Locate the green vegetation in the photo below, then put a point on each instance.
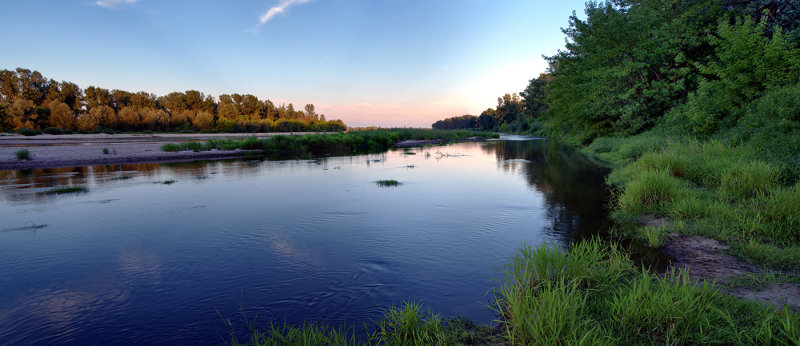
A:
(352, 142)
(697, 107)
(387, 183)
(23, 154)
(65, 190)
(105, 151)
(594, 295)
(27, 132)
(407, 324)
(591, 294)
(30, 101)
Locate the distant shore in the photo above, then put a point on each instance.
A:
(50, 151)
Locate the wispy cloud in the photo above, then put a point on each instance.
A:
(112, 4)
(278, 9)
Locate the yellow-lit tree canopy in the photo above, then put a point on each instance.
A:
(29, 100)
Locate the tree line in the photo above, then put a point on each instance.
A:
(28, 100)
(696, 66)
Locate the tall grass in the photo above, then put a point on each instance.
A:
(713, 187)
(592, 294)
(410, 324)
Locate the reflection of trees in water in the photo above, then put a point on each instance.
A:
(573, 186)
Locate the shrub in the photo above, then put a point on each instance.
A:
(27, 132)
(23, 154)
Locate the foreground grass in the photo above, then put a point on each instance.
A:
(590, 294)
(354, 142)
(714, 188)
(593, 295)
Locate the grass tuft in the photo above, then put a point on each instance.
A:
(23, 154)
(387, 183)
(65, 190)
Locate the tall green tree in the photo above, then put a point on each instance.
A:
(628, 63)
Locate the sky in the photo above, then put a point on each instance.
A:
(367, 62)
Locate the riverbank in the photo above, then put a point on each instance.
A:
(726, 211)
(50, 151)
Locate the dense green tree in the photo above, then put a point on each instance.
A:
(509, 108)
(628, 63)
(534, 94)
(486, 121)
(747, 63)
(460, 122)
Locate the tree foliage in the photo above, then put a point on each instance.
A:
(29, 100)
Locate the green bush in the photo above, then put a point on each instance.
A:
(53, 131)
(23, 154)
(27, 132)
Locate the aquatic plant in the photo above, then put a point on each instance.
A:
(65, 190)
(23, 154)
(387, 183)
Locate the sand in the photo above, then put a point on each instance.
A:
(48, 151)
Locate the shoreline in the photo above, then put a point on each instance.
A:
(52, 151)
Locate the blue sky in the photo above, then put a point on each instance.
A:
(368, 62)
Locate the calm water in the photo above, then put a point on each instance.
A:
(138, 261)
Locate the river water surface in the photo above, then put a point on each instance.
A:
(134, 260)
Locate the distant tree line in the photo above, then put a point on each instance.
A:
(29, 100)
(694, 65)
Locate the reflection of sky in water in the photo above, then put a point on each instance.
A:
(313, 240)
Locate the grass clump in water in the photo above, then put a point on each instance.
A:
(306, 334)
(65, 190)
(167, 182)
(409, 324)
(387, 183)
(23, 154)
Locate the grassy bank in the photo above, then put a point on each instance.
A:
(590, 294)
(716, 188)
(353, 142)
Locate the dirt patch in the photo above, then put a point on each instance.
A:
(778, 294)
(704, 258)
(706, 261)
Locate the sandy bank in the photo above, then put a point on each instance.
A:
(48, 151)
